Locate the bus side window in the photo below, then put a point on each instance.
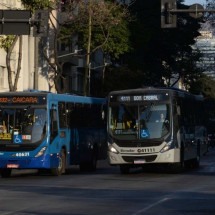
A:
(54, 127)
(62, 115)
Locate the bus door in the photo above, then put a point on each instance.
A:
(53, 126)
(59, 129)
(64, 130)
(102, 154)
(187, 123)
(72, 123)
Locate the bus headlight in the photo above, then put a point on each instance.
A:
(112, 149)
(41, 152)
(167, 147)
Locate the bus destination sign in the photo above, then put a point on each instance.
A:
(139, 98)
(22, 100)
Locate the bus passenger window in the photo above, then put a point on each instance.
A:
(62, 115)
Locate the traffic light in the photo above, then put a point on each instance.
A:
(168, 17)
(41, 18)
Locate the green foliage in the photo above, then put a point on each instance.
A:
(6, 41)
(204, 85)
(161, 53)
(109, 27)
(118, 41)
(37, 4)
(122, 78)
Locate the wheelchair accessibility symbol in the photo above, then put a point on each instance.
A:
(17, 138)
(144, 133)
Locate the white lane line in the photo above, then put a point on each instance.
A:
(150, 206)
(16, 211)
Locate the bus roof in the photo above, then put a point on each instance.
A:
(55, 96)
(156, 89)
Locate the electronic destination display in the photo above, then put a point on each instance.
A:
(22, 100)
(146, 97)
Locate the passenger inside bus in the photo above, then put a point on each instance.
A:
(39, 119)
(3, 128)
(161, 118)
(128, 122)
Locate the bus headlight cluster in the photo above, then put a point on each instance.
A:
(112, 149)
(167, 147)
(41, 152)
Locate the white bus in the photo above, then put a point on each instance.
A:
(155, 126)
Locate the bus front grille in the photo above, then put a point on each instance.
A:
(17, 148)
(131, 159)
(138, 144)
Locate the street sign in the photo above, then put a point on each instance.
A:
(15, 22)
(19, 22)
(169, 11)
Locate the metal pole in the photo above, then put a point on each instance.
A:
(89, 77)
(190, 11)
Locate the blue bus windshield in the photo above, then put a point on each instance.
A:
(22, 125)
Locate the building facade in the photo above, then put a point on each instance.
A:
(39, 54)
(26, 79)
(206, 45)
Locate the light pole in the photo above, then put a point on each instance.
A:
(89, 77)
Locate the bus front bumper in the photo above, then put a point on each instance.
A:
(42, 162)
(170, 156)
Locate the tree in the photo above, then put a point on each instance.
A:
(161, 53)
(37, 4)
(100, 25)
(203, 85)
(121, 78)
(8, 43)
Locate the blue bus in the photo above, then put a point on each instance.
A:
(155, 127)
(48, 131)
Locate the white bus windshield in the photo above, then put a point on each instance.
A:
(22, 125)
(145, 121)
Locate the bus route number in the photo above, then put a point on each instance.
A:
(125, 98)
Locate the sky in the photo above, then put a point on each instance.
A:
(190, 2)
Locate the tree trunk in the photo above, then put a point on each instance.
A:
(87, 67)
(8, 56)
(19, 64)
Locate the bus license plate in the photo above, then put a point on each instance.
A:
(139, 161)
(12, 166)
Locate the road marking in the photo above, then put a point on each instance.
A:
(150, 206)
(16, 211)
